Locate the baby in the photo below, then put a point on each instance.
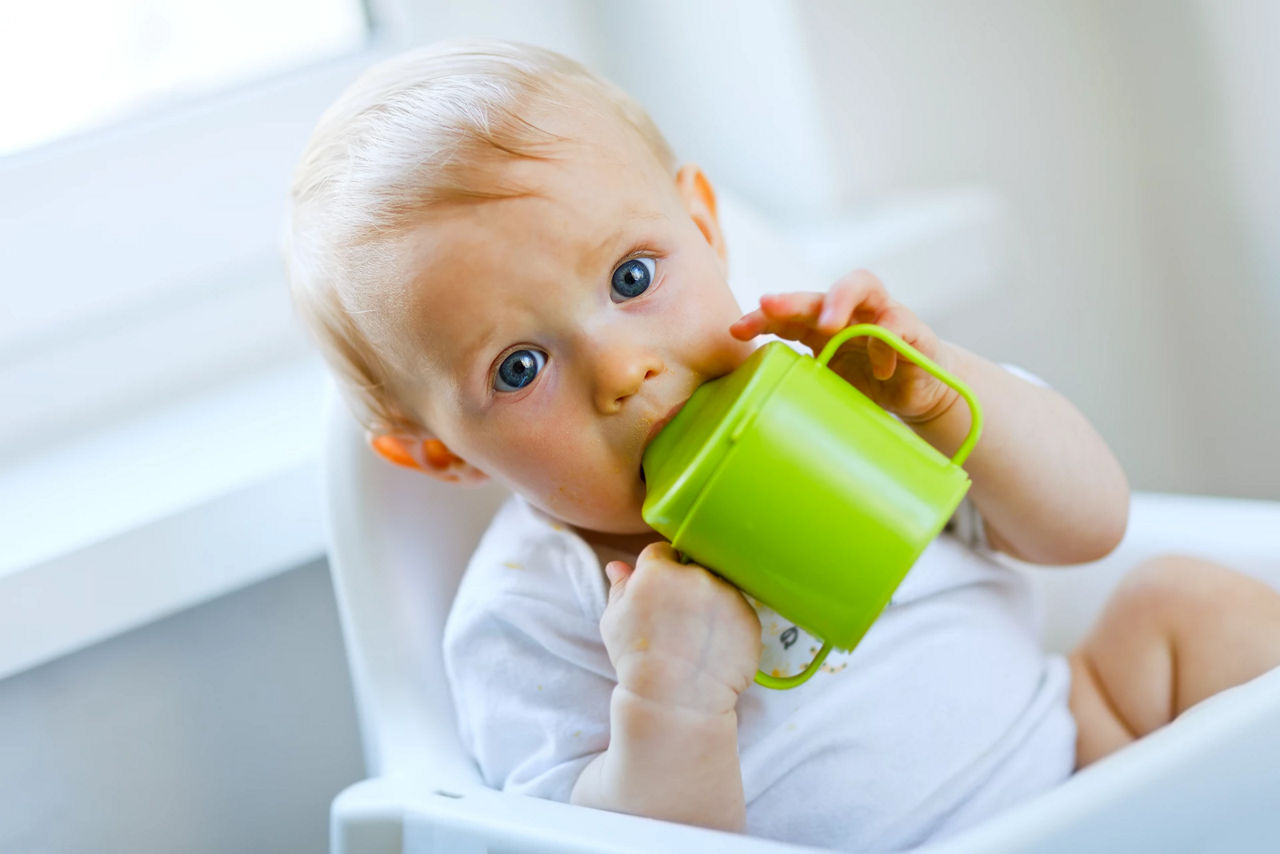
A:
(513, 278)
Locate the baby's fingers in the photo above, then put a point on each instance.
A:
(619, 574)
(788, 315)
(794, 306)
(859, 297)
(899, 320)
(749, 327)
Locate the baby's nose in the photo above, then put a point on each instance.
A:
(621, 373)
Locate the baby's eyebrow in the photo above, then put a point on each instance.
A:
(475, 351)
(613, 239)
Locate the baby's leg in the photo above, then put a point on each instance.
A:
(1175, 631)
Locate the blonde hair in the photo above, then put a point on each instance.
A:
(418, 130)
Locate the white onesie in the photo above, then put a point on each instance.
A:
(947, 711)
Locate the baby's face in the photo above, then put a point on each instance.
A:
(551, 333)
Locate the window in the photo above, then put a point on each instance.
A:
(144, 170)
(89, 62)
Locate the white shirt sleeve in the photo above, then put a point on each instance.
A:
(530, 679)
(966, 523)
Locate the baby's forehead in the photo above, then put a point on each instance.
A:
(569, 202)
(570, 220)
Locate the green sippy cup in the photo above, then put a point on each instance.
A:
(798, 489)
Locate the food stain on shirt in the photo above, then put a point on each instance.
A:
(511, 564)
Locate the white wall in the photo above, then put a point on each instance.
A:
(1208, 157)
(227, 728)
(1131, 140)
(1245, 65)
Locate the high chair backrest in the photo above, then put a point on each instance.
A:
(398, 544)
(400, 540)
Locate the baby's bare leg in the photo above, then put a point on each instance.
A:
(1176, 630)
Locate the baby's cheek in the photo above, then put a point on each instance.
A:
(582, 494)
(716, 320)
(726, 352)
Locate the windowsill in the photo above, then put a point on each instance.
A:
(159, 513)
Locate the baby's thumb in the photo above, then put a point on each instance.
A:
(618, 573)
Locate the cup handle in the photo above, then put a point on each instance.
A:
(783, 682)
(932, 367)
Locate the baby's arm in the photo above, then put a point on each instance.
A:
(1048, 487)
(684, 644)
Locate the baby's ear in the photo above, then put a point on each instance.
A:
(427, 455)
(700, 200)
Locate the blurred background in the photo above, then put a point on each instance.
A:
(1089, 189)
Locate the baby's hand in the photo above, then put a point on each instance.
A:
(678, 635)
(868, 364)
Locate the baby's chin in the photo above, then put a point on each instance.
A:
(618, 513)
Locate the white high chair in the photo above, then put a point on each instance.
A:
(399, 541)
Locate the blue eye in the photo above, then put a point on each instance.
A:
(519, 369)
(632, 278)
